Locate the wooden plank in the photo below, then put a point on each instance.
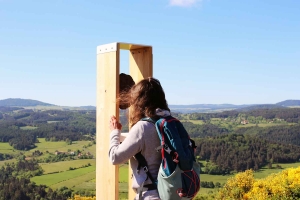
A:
(128, 46)
(107, 175)
(140, 67)
(140, 63)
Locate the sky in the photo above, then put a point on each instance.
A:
(204, 51)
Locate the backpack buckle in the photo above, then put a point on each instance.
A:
(145, 169)
(159, 148)
(167, 149)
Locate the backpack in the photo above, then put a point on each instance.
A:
(178, 176)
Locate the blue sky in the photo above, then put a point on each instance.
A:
(209, 51)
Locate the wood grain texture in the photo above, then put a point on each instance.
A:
(107, 175)
(140, 63)
(108, 69)
(140, 67)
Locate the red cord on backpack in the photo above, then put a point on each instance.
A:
(163, 143)
(180, 192)
(175, 157)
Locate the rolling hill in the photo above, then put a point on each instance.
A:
(200, 108)
(22, 102)
(289, 103)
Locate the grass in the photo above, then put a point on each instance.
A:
(79, 182)
(91, 149)
(199, 122)
(65, 165)
(6, 148)
(50, 122)
(84, 178)
(52, 179)
(28, 127)
(260, 125)
(264, 172)
(87, 185)
(44, 145)
(123, 173)
(222, 123)
(7, 161)
(215, 178)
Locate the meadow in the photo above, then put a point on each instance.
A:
(58, 174)
(233, 123)
(83, 172)
(6, 148)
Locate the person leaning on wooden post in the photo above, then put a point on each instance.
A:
(146, 99)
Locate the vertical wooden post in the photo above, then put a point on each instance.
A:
(140, 67)
(107, 175)
(108, 70)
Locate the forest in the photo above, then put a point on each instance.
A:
(227, 142)
(15, 183)
(220, 137)
(23, 128)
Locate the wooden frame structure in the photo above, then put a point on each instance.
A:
(108, 70)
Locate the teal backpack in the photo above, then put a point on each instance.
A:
(179, 174)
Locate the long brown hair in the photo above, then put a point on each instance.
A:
(144, 98)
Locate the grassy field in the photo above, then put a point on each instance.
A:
(264, 172)
(28, 127)
(264, 125)
(80, 182)
(44, 145)
(83, 178)
(6, 148)
(51, 179)
(65, 165)
(223, 123)
(200, 122)
(7, 161)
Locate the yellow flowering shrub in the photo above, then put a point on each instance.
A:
(237, 186)
(284, 186)
(78, 197)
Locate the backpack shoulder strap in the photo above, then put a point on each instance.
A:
(143, 163)
(148, 119)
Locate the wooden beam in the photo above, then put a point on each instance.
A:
(107, 175)
(108, 69)
(140, 63)
(140, 67)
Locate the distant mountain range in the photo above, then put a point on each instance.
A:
(289, 103)
(22, 102)
(18, 102)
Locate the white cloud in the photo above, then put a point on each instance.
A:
(184, 3)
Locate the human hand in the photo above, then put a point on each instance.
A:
(114, 124)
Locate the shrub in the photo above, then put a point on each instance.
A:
(284, 185)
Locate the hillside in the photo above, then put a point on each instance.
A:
(289, 103)
(260, 106)
(193, 108)
(22, 102)
(205, 108)
(231, 140)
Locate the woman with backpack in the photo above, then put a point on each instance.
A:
(146, 100)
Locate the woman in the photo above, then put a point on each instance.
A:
(146, 99)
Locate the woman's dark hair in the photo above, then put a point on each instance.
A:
(144, 98)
